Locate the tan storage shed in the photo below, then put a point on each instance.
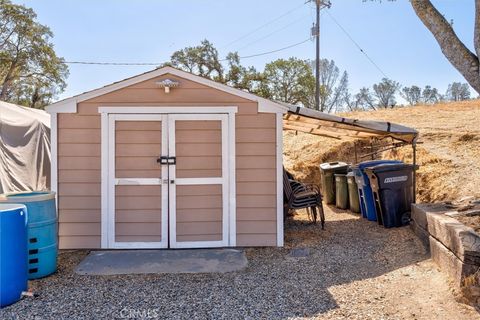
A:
(167, 159)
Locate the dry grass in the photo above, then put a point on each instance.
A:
(448, 157)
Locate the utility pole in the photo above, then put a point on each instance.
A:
(316, 33)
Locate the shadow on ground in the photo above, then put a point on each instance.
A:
(273, 286)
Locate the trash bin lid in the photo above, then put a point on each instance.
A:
(332, 166)
(366, 164)
(390, 167)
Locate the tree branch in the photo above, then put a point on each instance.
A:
(456, 52)
(476, 39)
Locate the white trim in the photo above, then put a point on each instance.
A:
(198, 181)
(268, 106)
(104, 182)
(232, 181)
(225, 185)
(135, 110)
(138, 181)
(110, 146)
(65, 105)
(136, 245)
(164, 176)
(172, 189)
(198, 244)
(54, 155)
(279, 168)
(109, 181)
(224, 181)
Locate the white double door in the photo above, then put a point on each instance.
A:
(168, 181)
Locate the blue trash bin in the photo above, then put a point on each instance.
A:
(42, 231)
(365, 194)
(13, 253)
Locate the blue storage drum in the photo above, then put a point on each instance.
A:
(13, 253)
(42, 231)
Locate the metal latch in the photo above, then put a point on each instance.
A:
(167, 160)
(162, 160)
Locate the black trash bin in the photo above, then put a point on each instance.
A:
(392, 186)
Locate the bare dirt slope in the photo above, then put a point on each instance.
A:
(449, 156)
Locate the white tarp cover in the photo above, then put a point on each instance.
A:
(24, 149)
(328, 125)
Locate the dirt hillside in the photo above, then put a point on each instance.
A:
(449, 153)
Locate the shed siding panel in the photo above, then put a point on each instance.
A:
(79, 173)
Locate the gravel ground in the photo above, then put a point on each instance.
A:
(355, 270)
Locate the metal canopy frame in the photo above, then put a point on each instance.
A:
(340, 128)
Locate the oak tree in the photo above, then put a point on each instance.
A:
(31, 73)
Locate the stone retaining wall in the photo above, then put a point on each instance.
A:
(454, 247)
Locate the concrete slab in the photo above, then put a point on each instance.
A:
(162, 261)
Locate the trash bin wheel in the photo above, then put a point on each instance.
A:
(406, 218)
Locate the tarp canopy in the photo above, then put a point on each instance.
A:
(24, 148)
(327, 125)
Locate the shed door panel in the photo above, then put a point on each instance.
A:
(139, 196)
(199, 195)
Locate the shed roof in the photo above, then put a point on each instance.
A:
(331, 126)
(69, 105)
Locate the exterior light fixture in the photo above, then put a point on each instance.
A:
(167, 84)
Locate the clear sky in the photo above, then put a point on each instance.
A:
(151, 30)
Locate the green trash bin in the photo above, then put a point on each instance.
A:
(353, 193)
(328, 180)
(341, 191)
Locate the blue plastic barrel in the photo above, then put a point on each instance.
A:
(42, 231)
(13, 253)
(365, 194)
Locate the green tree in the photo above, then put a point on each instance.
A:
(458, 92)
(385, 92)
(201, 60)
(289, 81)
(333, 86)
(412, 94)
(363, 100)
(430, 95)
(30, 71)
(240, 77)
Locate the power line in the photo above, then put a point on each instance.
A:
(262, 26)
(356, 44)
(159, 63)
(116, 63)
(277, 50)
(273, 32)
